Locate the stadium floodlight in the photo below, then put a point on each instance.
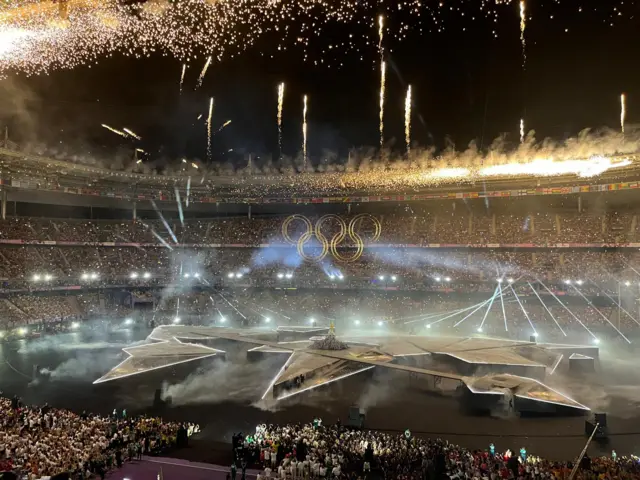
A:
(289, 275)
(147, 275)
(133, 275)
(579, 282)
(479, 329)
(447, 279)
(381, 277)
(75, 325)
(627, 283)
(48, 277)
(510, 280)
(85, 276)
(176, 320)
(267, 320)
(380, 323)
(568, 282)
(94, 276)
(280, 275)
(357, 322)
(36, 278)
(437, 279)
(231, 274)
(128, 321)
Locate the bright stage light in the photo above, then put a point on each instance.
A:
(267, 319)
(231, 274)
(535, 334)
(1, 334)
(289, 275)
(197, 275)
(627, 283)
(437, 279)
(579, 282)
(75, 325)
(510, 280)
(499, 280)
(238, 275)
(568, 282)
(380, 323)
(340, 276)
(147, 275)
(133, 275)
(94, 276)
(479, 329)
(128, 321)
(312, 321)
(596, 341)
(381, 277)
(357, 322)
(447, 279)
(428, 325)
(186, 275)
(222, 319)
(281, 275)
(22, 331)
(393, 278)
(48, 277)
(176, 320)
(85, 276)
(36, 278)
(332, 277)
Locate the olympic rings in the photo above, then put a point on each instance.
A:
(331, 246)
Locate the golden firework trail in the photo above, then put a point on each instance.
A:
(184, 70)
(203, 72)
(522, 130)
(407, 120)
(114, 130)
(209, 128)
(523, 26)
(304, 129)
(280, 105)
(137, 137)
(383, 85)
(223, 125)
(623, 111)
(199, 117)
(380, 34)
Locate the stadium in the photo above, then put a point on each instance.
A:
(237, 283)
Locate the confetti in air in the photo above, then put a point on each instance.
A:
(203, 72)
(114, 130)
(623, 111)
(407, 120)
(209, 128)
(137, 137)
(523, 26)
(280, 105)
(383, 84)
(522, 130)
(304, 129)
(184, 70)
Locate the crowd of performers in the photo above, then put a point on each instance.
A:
(287, 452)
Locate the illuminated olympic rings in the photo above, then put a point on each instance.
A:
(331, 246)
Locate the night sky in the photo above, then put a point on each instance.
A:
(468, 84)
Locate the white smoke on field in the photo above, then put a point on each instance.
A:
(84, 366)
(68, 342)
(223, 381)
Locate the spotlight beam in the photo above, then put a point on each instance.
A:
(231, 305)
(480, 305)
(177, 192)
(613, 300)
(486, 314)
(600, 313)
(431, 316)
(504, 314)
(545, 307)
(568, 310)
(523, 310)
(164, 222)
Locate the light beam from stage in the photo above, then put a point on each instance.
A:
(504, 314)
(479, 306)
(568, 310)
(600, 313)
(535, 332)
(325, 383)
(275, 379)
(619, 305)
(231, 305)
(545, 307)
(473, 311)
(486, 314)
(431, 316)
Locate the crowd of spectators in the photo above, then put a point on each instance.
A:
(318, 451)
(42, 441)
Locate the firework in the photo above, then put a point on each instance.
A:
(115, 130)
(407, 120)
(199, 117)
(209, 128)
(280, 104)
(203, 72)
(126, 130)
(383, 85)
(223, 125)
(623, 111)
(380, 35)
(184, 70)
(304, 129)
(522, 130)
(523, 26)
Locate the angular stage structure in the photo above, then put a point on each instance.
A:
(487, 369)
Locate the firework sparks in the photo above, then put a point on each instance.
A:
(623, 111)
(522, 130)
(523, 26)
(304, 129)
(203, 72)
(199, 117)
(407, 120)
(184, 70)
(383, 86)
(115, 130)
(280, 105)
(129, 132)
(223, 125)
(209, 128)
